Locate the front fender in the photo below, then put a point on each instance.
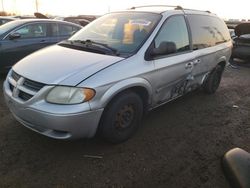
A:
(118, 87)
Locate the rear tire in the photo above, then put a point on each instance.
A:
(121, 117)
(213, 80)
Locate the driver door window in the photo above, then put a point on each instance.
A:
(33, 31)
(174, 30)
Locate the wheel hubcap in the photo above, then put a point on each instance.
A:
(124, 117)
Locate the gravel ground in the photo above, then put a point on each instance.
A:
(179, 145)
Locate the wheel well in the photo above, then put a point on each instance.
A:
(223, 64)
(140, 91)
(143, 94)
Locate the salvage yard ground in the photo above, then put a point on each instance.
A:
(179, 145)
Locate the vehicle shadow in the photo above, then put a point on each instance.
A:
(2, 76)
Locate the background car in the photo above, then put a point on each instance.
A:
(232, 23)
(22, 37)
(4, 19)
(241, 42)
(82, 20)
(232, 33)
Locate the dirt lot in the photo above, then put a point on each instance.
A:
(179, 145)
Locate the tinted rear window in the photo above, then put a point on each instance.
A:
(207, 31)
(63, 29)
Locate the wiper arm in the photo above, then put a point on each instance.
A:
(93, 43)
(104, 45)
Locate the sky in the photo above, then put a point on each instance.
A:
(224, 8)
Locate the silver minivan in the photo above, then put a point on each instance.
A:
(106, 76)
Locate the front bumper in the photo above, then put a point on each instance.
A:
(55, 121)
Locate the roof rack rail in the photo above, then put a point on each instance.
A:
(196, 10)
(177, 7)
(171, 6)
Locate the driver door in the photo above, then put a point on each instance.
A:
(31, 38)
(173, 72)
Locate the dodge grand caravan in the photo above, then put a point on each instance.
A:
(103, 78)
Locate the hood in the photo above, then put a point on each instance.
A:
(61, 65)
(242, 29)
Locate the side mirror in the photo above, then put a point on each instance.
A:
(13, 36)
(164, 48)
(72, 33)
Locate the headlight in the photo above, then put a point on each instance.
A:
(69, 95)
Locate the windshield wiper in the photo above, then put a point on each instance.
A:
(91, 44)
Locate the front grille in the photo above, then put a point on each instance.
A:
(15, 76)
(23, 88)
(24, 96)
(36, 86)
(11, 87)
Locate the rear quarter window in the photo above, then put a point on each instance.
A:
(66, 30)
(63, 29)
(207, 31)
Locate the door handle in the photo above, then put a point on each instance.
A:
(197, 61)
(189, 65)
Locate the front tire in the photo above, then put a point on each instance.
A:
(213, 80)
(121, 117)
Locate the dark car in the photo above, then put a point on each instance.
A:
(241, 42)
(4, 19)
(21, 37)
(82, 20)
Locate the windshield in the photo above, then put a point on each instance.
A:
(124, 32)
(8, 26)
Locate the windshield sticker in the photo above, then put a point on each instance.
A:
(141, 22)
